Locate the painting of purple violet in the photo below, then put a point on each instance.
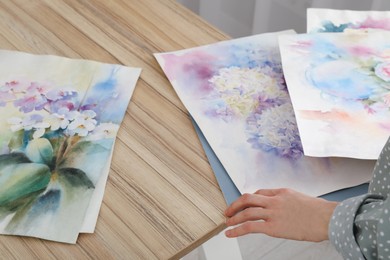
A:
(58, 128)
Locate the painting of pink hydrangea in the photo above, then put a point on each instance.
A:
(236, 92)
(347, 77)
(57, 135)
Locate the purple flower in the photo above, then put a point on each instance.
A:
(34, 98)
(6, 96)
(61, 98)
(14, 86)
(58, 105)
(90, 106)
(60, 94)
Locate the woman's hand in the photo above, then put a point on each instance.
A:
(282, 213)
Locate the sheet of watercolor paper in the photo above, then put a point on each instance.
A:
(331, 20)
(236, 93)
(340, 88)
(59, 119)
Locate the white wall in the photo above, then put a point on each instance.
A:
(246, 17)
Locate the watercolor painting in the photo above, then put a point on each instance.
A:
(236, 92)
(331, 20)
(340, 91)
(56, 138)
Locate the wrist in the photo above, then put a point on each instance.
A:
(327, 209)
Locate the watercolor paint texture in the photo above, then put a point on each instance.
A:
(340, 91)
(57, 132)
(235, 91)
(331, 20)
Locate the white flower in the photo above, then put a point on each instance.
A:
(82, 124)
(28, 123)
(104, 131)
(61, 119)
(272, 121)
(275, 129)
(40, 128)
(31, 122)
(39, 132)
(16, 123)
(241, 88)
(56, 121)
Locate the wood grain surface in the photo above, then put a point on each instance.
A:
(162, 198)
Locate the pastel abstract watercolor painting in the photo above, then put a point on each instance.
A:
(331, 20)
(58, 127)
(235, 91)
(340, 91)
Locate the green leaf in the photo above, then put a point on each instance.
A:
(16, 141)
(72, 177)
(35, 212)
(18, 204)
(40, 151)
(21, 180)
(89, 157)
(75, 184)
(12, 158)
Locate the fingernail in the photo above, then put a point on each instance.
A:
(227, 233)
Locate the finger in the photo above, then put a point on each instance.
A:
(268, 192)
(246, 201)
(247, 228)
(248, 214)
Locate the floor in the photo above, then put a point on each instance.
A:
(258, 246)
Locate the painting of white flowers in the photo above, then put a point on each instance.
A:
(58, 127)
(235, 91)
(340, 91)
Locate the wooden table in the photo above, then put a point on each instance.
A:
(162, 198)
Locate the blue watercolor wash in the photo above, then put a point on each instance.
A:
(342, 80)
(108, 84)
(328, 26)
(323, 50)
(343, 88)
(105, 100)
(49, 202)
(245, 57)
(239, 56)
